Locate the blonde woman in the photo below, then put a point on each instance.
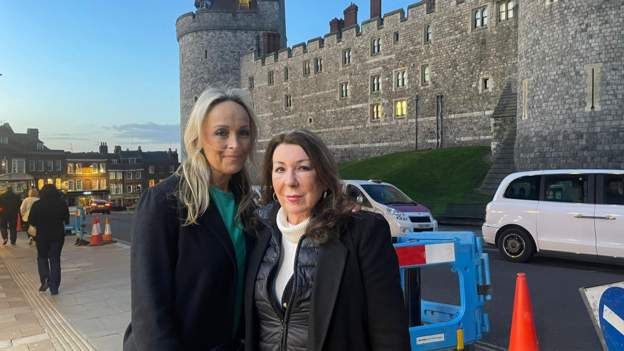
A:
(190, 241)
(33, 196)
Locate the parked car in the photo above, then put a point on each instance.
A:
(403, 214)
(98, 206)
(578, 212)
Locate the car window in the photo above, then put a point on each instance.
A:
(566, 188)
(386, 194)
(523, 188)
(357, 196)
(613, 189)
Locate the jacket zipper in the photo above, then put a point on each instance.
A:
(286, 318)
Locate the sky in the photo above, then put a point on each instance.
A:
(91, 71)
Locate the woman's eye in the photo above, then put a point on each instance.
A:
(305, 168)
(244, 132)
(278, 170)
(221, 132)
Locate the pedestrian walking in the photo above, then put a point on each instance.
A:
(25, 209)
(321, 276)
(190, 242)
(49, 215)
(10, 203)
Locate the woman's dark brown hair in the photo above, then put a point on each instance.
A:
(333, 209)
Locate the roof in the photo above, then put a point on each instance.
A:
(87, 156)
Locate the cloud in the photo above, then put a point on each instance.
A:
(147, 133)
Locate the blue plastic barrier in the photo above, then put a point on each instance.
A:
(442, 326)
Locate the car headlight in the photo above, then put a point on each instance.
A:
(398, 215)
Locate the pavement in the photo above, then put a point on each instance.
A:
(91, 311)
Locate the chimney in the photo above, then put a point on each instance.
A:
(34, 132)
(335, 25)
(375, 8)
(350, 16)
(117, 149)
(139, 149)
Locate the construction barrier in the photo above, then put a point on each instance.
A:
(436, 325)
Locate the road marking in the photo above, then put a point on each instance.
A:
(613, 319)
(488, 347)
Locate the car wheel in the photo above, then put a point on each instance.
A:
(516, 245)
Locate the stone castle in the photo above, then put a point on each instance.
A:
(540, 81)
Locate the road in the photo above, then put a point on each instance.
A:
(561, 318)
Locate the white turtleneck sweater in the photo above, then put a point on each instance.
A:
(291, 234)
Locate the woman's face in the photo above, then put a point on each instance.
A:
(227, 138)
(295, 182)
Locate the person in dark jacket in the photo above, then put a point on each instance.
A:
(321, 277)
(49, 215)
(189, 244)
(10, 204)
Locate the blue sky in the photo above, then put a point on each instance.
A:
(86, 71)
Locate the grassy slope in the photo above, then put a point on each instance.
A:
(434, 178)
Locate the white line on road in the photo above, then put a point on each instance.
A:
(613, 319)
(481, 345)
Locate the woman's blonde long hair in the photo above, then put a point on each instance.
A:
(194, 171)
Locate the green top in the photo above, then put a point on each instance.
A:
(227, 208)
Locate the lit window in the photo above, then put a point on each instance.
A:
(400, 79)
(376, 46)
(480, 17)
(506, 10)
(375, 84)
(270, 78)
(344, 90)
(102, 167)
(70, 185)
(151, 183)
(306, 68)
(426, 75)
(70, 168)
(318, 65)
(400, 108)
(346, 57)
(376, 112)
(79, 184)
(58, 183)
(111, 175)
(244, 4)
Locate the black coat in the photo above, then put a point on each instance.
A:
(183, 277)
(357, 302)
(49, 216)
(10, 204)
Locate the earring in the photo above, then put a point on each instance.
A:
(274, 197)
(325, 193)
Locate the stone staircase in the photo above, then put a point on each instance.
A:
(504, 140)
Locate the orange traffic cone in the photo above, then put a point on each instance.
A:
(108, 234)
(96, 233)
(523, 336)
(18, 227)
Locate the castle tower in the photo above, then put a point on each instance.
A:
(570, 84)
(214, 37)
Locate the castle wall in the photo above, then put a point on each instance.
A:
(560, 43)
(459, 56)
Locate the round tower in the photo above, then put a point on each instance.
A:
(214, 37)
(571, 84)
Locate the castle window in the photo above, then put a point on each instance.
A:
(486, 85)
(375, 46)
(251, 83)
(344, 90)
(375, 84)
(346, 57)
(270, 78)
(205, 54)
(506, 10)
(425, 74)
(18, 165)
(396, 37)
(400, 78)
(427, 34)
(306, 67)
(550, 2)
(458, 2)
(400, 108)
(285, 74)
(480, 17)
(525, 99)
(287, 101)
(310, 120)
(33, 165)
(194, 98)
(318, 65)
(39, 146)
(4, 139)
(244, 4)
(430, 4)
(594, 77)
(376, 112)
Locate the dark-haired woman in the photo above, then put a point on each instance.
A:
(320, 277)
(49, 215)
(189, 244)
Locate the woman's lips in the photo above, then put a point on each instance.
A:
(293, 198)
